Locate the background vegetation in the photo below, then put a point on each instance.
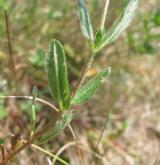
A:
(129, 99)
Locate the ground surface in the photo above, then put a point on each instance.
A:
(129, 100)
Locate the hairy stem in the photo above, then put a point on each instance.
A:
(104, 14)
(84, 72)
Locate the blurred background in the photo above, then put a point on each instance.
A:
(129, 100)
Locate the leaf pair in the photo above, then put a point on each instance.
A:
(121, 23)
(103, 39)
(58, 81)
(57, 74)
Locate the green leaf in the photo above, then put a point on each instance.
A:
(120, 24)
(59, 127)
(57, 74)
(85, 21)
(91, 87)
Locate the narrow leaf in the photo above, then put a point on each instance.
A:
(57, 74)
(59, 127)
(120, 24)
(91, 87)
(85, 21)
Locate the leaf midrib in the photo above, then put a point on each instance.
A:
(57, 77)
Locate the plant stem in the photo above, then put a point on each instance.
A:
(31, 98)
(10, 50)
(72, 143)
(84, 72)
(101, 135)
(62, 149)
(50, 154)
(79, 152)
(106, 5)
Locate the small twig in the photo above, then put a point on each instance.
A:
(73, 143)
(79, 152)
(50, 154)
(10, 50)
(101, 135)
(61, 150)
(31, 98)
(106, 5)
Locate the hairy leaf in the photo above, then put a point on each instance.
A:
(85, 21)
(59, 127)
(91, 87)
(57, 74)
(120, 24)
